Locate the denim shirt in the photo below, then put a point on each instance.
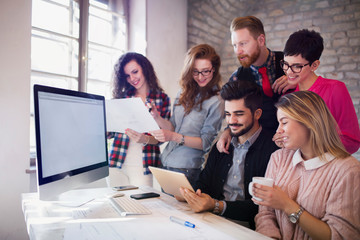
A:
(234, 185)
(204, 124)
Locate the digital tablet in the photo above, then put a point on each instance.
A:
(171, 181)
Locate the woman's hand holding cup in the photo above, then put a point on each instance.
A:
(260, 180)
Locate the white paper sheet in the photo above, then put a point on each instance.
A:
(99, 220)
(128, 113)
(159, 228)
(154, 226)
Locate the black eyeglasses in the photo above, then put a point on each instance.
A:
(205, 73)
(295, 68)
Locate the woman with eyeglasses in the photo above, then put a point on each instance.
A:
(301, 58)
(316, 181)
(197, 114)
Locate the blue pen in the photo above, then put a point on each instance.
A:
(182, 222)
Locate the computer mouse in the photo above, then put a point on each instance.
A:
(116, 195)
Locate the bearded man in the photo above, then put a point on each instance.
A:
(223, 184)
(258, 65)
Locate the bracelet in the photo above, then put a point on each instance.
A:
(148, 140)
(217, 207)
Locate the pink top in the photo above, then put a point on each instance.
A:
(328, 189)
(338, 100)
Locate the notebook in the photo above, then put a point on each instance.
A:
(171, 181)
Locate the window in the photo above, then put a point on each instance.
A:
(75, 44)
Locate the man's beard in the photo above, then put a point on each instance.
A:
(243, 131)
(251, 59)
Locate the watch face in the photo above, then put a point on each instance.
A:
(292, 218)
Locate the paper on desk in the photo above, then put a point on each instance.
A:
(128, 113)
(95, 211)
(154, 226)
(150, 228)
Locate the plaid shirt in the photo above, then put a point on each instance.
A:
(270, 65)
(268, 118)
(150, 153)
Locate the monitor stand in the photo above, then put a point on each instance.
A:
(79, 197)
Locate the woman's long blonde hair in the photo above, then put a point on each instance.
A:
(309, 109)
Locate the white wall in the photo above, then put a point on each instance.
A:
(15, 29)
(167, 41)
(137, 26)
(158, 30)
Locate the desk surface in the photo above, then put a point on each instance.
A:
(99, 220)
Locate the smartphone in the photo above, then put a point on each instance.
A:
(125, 187)
(144, 195)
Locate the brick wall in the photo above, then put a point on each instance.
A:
(338, 21)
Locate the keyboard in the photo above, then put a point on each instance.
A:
(127, 206)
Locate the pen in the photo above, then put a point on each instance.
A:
(148, 104)
(182, 222)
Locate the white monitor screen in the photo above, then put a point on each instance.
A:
(70, 136)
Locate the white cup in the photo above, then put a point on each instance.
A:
(260, 180)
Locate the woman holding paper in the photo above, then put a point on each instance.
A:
(197, 114)
(135, 77)
(316, 181)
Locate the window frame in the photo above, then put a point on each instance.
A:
(83, 48)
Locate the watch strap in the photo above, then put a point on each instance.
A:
(182, 140)
(217, 207)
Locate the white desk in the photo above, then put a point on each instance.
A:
(99, 220)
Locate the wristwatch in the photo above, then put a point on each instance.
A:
(294, 217)
(217, 207)
(182, 140)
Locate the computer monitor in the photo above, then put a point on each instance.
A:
(71, 142)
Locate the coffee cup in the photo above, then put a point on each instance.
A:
(260, 180)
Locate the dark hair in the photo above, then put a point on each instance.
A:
(250, 92)
(308, 44)
(251, 23)
(120, 84)
(188, 98)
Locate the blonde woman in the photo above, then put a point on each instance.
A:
(316, 189)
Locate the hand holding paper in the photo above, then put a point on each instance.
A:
(136, 136)
(128, 113)
(153, 111)
(162, 135)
